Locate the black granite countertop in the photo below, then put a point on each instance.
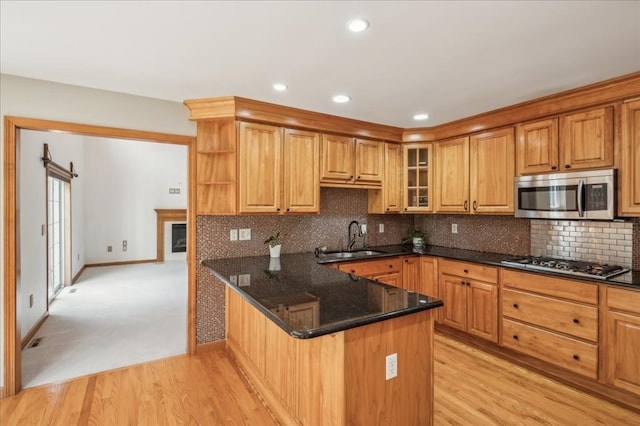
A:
(629, 279)
(344, 301)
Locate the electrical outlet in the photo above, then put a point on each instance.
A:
(244, 280)
(233, 235)
(381, 228)
(174, 190)
(124, 245)
(109, 249)
(363, 228)
(392, 366)
(454, 228)
(233, 279)
(245, 234)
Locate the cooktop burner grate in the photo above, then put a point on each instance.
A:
(574, 267)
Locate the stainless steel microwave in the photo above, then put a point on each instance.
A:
(573, 195)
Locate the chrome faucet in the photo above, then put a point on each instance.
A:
(351, 236)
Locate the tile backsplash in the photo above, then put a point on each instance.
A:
(595, 241)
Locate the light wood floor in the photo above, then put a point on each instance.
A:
(471, 388)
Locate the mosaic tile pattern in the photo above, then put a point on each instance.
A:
(497, 234)
(635, 252)
(594, 241)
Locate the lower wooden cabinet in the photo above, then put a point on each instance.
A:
(300, 311)
(387, 271)
(621, 339)
(552, 319)
(470, 304)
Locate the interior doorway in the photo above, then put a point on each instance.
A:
(11, 253)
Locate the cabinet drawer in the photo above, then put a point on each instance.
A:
(626, 300)
(555, 314)
(372, 267)
(565, 352)
(577, 291)
(469, 270)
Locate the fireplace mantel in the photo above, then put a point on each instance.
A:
(166, 215)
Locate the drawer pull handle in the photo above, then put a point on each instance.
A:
(576, 321)
(353, 271)
(515, 305)
(468, 283)
(576, 357)
(515, 336)
(466, 271)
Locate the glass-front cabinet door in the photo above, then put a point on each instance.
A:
(418, 178)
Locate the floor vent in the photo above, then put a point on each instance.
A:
(73, 290)
(35, 342)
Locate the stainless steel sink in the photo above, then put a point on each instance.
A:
(351, 254)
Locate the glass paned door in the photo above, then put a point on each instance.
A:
(417, 177)
(57, 230)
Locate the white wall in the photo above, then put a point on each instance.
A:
(125, 182)
(25, 97)
(33, 215)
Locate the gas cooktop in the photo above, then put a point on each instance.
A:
(572, 267)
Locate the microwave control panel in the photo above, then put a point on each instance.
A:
(596, 196)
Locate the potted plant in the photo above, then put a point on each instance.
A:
(275, 244)
(417, 237)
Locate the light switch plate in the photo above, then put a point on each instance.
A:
(454, 228)
(233, 235)
(245, 234)
(392, 366)
(244, 280)
(381, 228)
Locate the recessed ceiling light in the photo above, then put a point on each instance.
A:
(357, 25)
(340, 99)
(421, 116)
(280, 87)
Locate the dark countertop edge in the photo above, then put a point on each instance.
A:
(330, 328)
(486, 258)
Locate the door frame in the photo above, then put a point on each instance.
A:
(11, 333)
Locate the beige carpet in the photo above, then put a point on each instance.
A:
(113, 316)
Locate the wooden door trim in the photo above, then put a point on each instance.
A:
(11, 333)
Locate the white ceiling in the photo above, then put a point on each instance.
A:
(447, 58)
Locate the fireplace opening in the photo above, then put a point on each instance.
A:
(178, 237)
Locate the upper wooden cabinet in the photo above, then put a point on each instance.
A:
(582, 140)
(278, 175)
(347, 162)
(492, 169)
(417, 178)
(388, 199)
(452, 175)
(216, 160)
(475, 174)
(629, 177)
(537, 147)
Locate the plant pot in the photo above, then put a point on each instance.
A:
(418, 242)
(274, 251)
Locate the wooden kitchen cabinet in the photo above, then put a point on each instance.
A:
(411, 273)
(475, 174)
(470, 295)
(417, 179)
(621, 339)
(387, 271)
(349, 162)
(492, 169)
(388, 199)
(552, 319)
(582, 140)
(216, 165)
(428, 276)
(629, 172)
(452, 176)
(278, 170)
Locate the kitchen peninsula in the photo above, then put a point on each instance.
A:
(322, 346)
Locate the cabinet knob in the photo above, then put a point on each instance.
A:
(466, 271)
(553, 167)
(576, 321)
(567, 166)
(351, 177)
(358, 177)
(391, 266)
(468, 283)
(278, 209)
(462, 282)
(515, 305)
(405, 209)
(515, 336)
(388, 209)
(576, 357)
(353, 271)
(288, 210)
